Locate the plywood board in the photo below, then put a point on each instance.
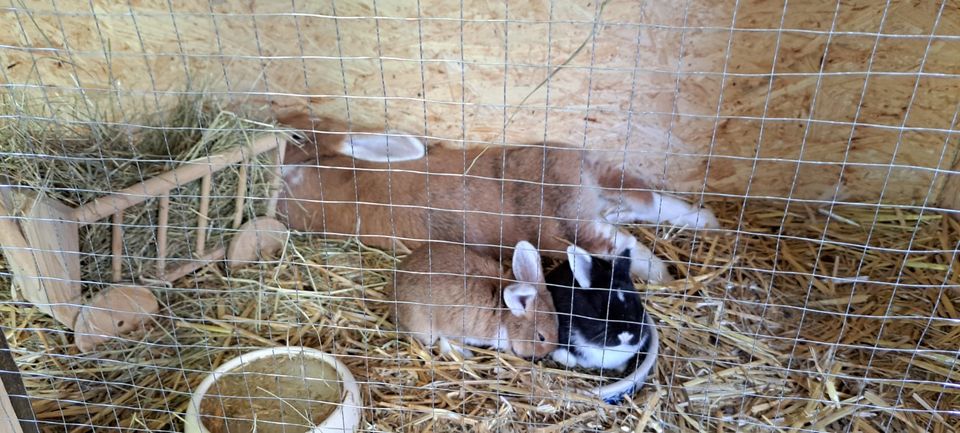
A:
(648, 85)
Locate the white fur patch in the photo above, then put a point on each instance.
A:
(647, 265)
(292, 175)
(393, 146)
(670, 209)
(500, 342)
(580, 264)
(682, 213)
(563, 356)
(447, 347)
(614, 357)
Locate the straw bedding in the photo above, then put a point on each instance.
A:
(754, 344)
(750, 340)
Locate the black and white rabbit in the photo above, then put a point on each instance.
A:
(602, 320)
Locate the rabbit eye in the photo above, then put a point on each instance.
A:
(541, 337)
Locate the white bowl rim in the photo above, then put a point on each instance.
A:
(348, 411)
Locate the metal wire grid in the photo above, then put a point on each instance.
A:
(24, 13)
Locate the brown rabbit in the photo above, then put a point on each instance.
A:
(451, 293)
(551, 194)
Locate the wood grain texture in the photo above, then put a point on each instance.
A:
(162, 184)
(16, 412)
(43, 248)
(649, 85)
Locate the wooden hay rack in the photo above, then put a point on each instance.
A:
(40, 240)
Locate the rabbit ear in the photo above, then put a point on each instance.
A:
(519, 298)
(621, 266)
(580, 263)
(526, 264)
(391, 146)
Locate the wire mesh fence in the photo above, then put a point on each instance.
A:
(188, 184)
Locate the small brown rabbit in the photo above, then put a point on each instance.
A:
(451, 293)
(393, 187)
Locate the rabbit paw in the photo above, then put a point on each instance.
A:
(701, 219)
(446, 347)
(677, 212)
(648, 267)
(563, 356)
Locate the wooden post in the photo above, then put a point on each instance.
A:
(194, 264)
(14, 403)
(204, 210)
(163, 221)
(276, 181)
(117, 249)
(241, 195)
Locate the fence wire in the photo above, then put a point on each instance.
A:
(822, 136)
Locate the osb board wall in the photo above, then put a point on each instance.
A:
(649, 82)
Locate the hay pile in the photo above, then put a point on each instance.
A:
(76, 159)
(751, 344)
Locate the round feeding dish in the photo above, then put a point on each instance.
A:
(282, 389)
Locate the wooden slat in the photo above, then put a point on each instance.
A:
(202, 218)
(276, 182)
(162, 223)
(241, 195)
(163, 183)
(194, 264)
(117, 247)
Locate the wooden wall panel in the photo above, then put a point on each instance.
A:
(648, 83)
